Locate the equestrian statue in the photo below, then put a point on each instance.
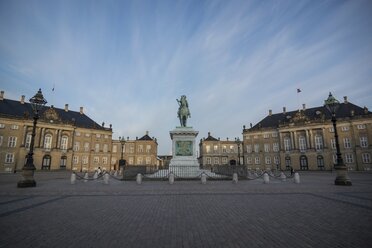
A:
(183, 110)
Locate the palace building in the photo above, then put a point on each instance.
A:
(64, 139)
(304, 139)
(216, 152)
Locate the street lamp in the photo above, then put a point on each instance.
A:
(342, 177)
(238, 143)
(37, 102)
(122, 142)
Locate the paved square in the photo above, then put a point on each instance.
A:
(314, 213)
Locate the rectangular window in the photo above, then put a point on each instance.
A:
(256, 148)
(274, 135)
(224, 149)
(249, 148)
(232, 149)
(347, 143)
(106, 136)
(12, 141)
(104, 160)
(268, 160)
(361, 126)
(266, 136)
(85, 159)
(148, 160)
(302, 143)
(76, 146)
(318, 142)
(28, 141)
(9, 158)
(276, 147)
(96, 148)
(98, 135)
(139, 161)
(87, 135)
(48, 142)
(216, 161)
(140, 148)
(224, 160)
(86, 147)
(344, 129)
(267, 147)
(64, 142)
(113, 160)
(349, 158)
(75, 159)
(131, 148)
(95, 160)
(14, 127)
(105, 148)
(215, 148)
(2, 125)
(131, 160)
(208, 161)
(208, 149)
(331, 130)
(249, 160)
(77, 133)
(1, 140)
(148, 148)
(276, 160)
(257, 160)
(363, 142)
(333, 143)
(366, 158)
(114, 149)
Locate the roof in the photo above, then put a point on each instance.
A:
(312, 114)
(15, 109)
(210, 138)
(145, 137)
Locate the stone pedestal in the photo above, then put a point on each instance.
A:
(184, 148)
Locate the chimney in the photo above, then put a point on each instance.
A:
(270, 112)
(81, 110)
(303, 106)
(103, 124)
(147, 132)
(352, 112)
(284, 110)
(365, 110)
(251, 125)
(243, 127)
(345, 100)
(1, 95)
(110, 126)
(23, 99)
(209, 134)
(66, 107)
(227, 138)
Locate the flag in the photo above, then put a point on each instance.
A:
(298, 90)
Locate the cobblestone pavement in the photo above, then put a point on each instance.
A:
(314, 213)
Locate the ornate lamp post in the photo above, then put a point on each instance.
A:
(342, 177)
(37, 102)
(122, 142)
(238, 143)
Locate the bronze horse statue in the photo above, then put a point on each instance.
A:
(183, 110)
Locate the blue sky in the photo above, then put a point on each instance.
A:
(126, 62)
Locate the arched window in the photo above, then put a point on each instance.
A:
(302, 143)
(287, 144)
(48, 142)
(303, 163)
(320, 162)
(64, 142)
(46, 162)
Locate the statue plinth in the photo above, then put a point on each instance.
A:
(184, 147)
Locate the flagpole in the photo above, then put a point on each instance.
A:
(298, 98)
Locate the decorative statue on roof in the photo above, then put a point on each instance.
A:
(183, 110)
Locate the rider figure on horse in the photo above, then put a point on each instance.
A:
(183, 110)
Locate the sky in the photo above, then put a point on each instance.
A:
(126, 62)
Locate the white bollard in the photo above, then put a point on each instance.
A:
(86, 176)
(266, 178)
(95, 176)
(73, 178)
(235, 178)
(106, 178)
(116, 174)
(171, 178)
(139, 178)
(283, 177)
(297, 177)
(204, 178)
